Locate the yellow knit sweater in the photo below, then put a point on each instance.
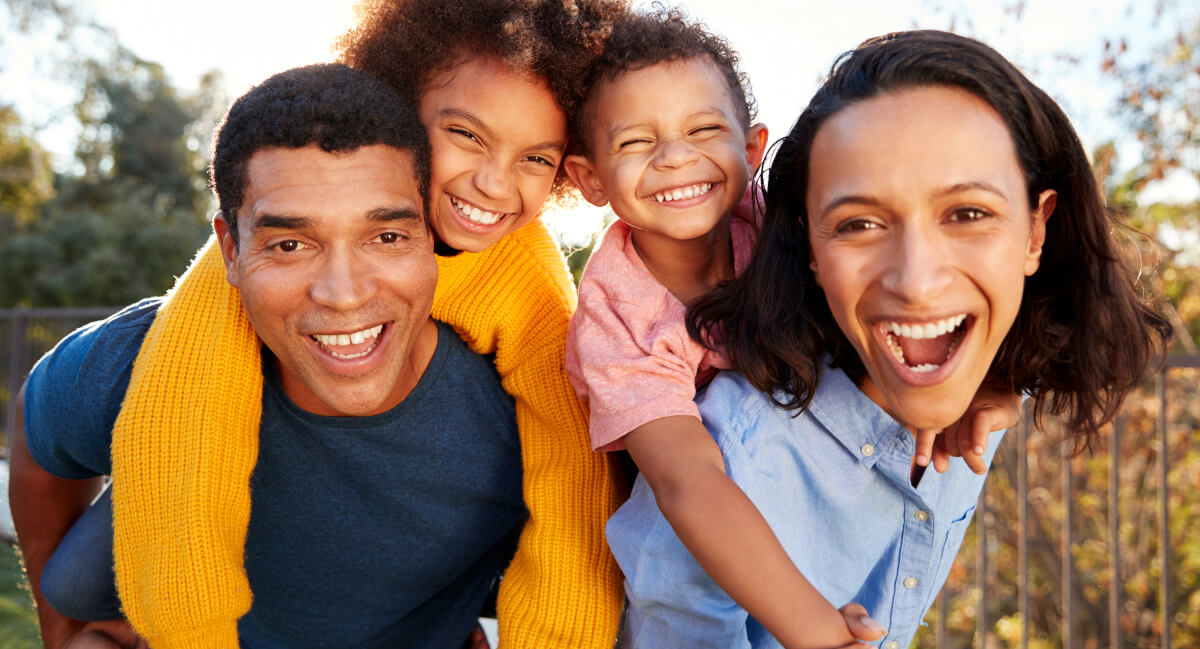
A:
(186, 441)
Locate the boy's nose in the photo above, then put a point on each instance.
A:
(674, 153)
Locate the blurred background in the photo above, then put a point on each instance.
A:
(106, 110)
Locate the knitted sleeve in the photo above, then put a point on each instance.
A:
(183, 448)
(563, 588)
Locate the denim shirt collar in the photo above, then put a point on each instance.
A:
(858, 423)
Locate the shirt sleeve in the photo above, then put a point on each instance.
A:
(630, 360)
(672, 600)
(74, 393)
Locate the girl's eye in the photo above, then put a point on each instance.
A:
(542, 160)
(462, 132)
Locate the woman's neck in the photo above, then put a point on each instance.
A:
(691, 268)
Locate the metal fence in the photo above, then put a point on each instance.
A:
(1028, 575)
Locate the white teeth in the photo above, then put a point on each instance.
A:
(474, 214)
(328, 341)
(682, 193)
(928, 330)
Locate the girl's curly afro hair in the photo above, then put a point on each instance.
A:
(407, 43)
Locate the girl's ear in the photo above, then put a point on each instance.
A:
(756, 144)
(584, 175)
(1037, 230)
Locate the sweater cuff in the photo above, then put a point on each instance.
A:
(222, 635)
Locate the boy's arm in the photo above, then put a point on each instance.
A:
(44, 507)
(728, 536)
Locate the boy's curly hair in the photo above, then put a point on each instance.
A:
(664, 34)
(407, 43)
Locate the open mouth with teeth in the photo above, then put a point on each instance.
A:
(683, 193)
(351, 345)
(924, 347)
(475, 214)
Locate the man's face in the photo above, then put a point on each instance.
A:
(336, 272)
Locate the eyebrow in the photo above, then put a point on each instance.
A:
(867, 199)
(553, 145)
(288, 222)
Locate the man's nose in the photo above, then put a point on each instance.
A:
(345, 281)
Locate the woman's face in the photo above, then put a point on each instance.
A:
(498, 137)
(922, 237)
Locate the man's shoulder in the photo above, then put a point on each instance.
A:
(103, 345)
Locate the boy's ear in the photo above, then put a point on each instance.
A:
(756, 144)
(584, 175)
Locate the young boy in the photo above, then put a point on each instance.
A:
(667, 140)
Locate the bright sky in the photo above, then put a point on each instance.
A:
(786, 46)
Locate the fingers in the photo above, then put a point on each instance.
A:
(862, 626)
(941, 456)
(924, 450)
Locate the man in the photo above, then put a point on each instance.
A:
(382, 509)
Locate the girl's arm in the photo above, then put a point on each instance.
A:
(729, 538)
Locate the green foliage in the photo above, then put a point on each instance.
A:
(18, 622)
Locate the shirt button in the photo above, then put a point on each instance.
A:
(911, 582)
(892, 645)
(921, 515)
(868, 450)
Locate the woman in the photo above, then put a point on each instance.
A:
(931, 223)
(495, 83)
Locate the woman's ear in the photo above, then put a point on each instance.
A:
(583, 174)
(1037, 230)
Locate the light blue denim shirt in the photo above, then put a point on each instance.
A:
(834, 484)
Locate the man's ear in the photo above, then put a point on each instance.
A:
(756, 144)
(1037, 230)
(584, 175)
(224, 232)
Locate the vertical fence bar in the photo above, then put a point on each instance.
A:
(1114, 529)
(15, 366)
(1068, 562)
(1023, 429)
(1164, 531)
(981, 617)
(942, 609)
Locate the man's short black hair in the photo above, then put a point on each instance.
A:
(331, 105)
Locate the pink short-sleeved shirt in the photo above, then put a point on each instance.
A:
(629, 355)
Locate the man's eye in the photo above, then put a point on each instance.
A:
(291, 245)
(391, 237)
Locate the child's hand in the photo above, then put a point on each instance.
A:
(863, 627)
(991, 410)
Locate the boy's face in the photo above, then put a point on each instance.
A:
(669, 151)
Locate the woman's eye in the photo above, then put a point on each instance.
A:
(856, 225)
(969, 214)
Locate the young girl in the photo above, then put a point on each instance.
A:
(931, 222)
(669, 143)
(495, 83)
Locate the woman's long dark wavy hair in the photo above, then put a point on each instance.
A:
(1084, 335)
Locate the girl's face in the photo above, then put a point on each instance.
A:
(498, 137)
(921, 238)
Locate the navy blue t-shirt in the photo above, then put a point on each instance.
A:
(382, 531)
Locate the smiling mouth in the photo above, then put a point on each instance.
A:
(683, 193)
(349, 346)
(926, 346)
(474, 214)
